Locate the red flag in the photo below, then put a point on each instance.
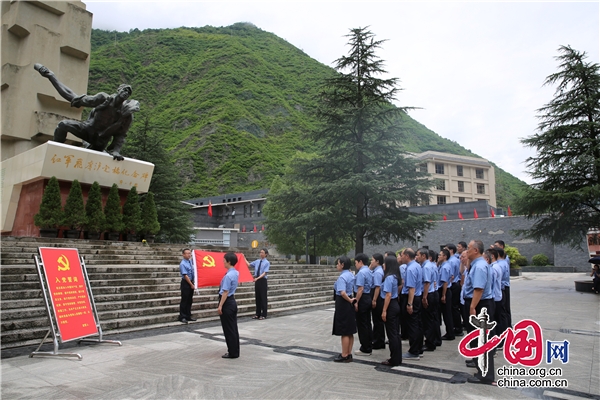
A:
(263, 228)
(475, 214)
(509, 212)
(460, 215)
(445, 218)
(210, 209)
(244, 228)
(210, 268)
(493, 213)
(255, 229)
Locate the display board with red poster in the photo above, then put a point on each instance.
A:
(67, 294)
(210, 268)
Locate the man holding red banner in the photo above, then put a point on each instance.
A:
(261, 268)
(187, 287)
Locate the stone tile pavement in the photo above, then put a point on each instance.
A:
(289, 357)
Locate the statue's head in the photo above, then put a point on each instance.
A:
(124, 91)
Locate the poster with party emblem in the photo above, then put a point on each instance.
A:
(69, 294)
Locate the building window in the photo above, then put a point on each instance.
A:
(426, 202)
(232, 212)
(461, 199)
(439, 168)
(413, 203)
(480, 188)
(479, 173)
(441, 199)
(423, 167)
(459, 170)
(440, 184)
(245, 211)
(461, 186)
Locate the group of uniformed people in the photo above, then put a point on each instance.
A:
(407, 295)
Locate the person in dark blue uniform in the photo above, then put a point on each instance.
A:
(377, 302)
(344, 319)
(228, 307)
(363, 283)
(391, 309)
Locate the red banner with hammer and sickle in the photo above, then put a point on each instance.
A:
(210, 268)
(68, 293)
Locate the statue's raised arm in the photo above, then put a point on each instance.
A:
(107, 123)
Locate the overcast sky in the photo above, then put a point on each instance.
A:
(476, 68)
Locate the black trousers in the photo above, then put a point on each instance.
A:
(260, 295)
(363, 323)
(230, 327)
(187, 296)
(491, 372)
(415, 327)
(403, 299)
(378, 325)
(446, 311)
(456, 307)
(499, 317)
(431, 322)
(506, 303)
(392, 324)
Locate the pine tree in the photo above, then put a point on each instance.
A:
(358, 185)
(50, 214)
(150, 225)
(112, 210)
(93, 209)
(132, 215)
(564, 201)
(74, 213)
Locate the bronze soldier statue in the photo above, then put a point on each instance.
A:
(109, 120)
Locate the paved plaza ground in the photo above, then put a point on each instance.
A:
(290, 357)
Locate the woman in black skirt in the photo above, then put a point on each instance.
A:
(391, 309)
(344, 318)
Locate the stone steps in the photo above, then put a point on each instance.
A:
(136, 287)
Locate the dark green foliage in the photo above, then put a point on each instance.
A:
(93, 209)
(540, 260)
(132, 215)
(354, 188)
(231, 103)
(74, 212)
(50, 214)
(112, 210)
(148, 143)
(150, 225)
(565, 200)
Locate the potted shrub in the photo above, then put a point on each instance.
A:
(516, 260)
(74, 213)
(132, 218)
(93, 211)
(150, 226)
(112, 213)
(50, 214)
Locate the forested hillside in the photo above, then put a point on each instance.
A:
(233, 103)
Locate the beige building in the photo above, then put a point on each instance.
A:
(56, 34)
(459, 178)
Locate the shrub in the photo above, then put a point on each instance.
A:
(74, 212)
(516, 259)
(540, 260)
(150, 225)
(93, 210)
(112, 210)
(50, 214)
(132, 215)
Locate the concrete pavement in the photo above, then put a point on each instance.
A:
(290, 357)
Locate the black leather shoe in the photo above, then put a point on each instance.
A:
(425, 348)
(183, 321)
(447, 338)
(457, 333)
(192, 319)
(471, 364)
(226, 355)
(379, 347)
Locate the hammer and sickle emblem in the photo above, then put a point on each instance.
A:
(208, 261)
(63, 263)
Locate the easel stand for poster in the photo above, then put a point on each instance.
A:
(53, 319)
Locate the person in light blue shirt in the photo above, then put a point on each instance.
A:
(261, 272)
(455, 288)
(430, 303)
(228, 308)
(446, 293)
(186, 269)
(376, 268)
(492, 254)
(414, 288)
(391, 309)
(363, 283)
(505, 317)
(344, 319)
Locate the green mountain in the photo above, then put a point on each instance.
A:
(233, 103)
